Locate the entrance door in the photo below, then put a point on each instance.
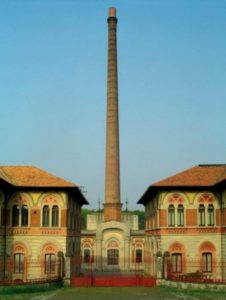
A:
(113, 257)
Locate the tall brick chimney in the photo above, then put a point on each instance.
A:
(112, 204)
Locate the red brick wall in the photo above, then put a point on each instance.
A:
(163, 218)
(35, 217)
(218, 217)
(63, 218)
(224, 216)
(191, 217)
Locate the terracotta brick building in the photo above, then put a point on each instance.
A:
(39, 224)
(186, 223)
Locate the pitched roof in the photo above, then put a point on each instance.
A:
(195, 177)
(201, 175)
(30, 176)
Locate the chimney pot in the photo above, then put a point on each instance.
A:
(112, 12)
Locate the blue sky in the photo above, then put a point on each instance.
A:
(172, 91)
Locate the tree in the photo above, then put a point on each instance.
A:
(141, 218)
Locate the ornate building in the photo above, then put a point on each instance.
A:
(186, 222)
(112, 240)
(39, 225)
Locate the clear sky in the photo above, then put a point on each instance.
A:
(172, 88)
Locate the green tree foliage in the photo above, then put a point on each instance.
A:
(141, 218)
(84, 213)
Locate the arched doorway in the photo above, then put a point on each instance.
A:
(113, 254)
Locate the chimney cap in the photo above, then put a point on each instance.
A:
(112, 12)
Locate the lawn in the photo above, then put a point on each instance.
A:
(130, 293)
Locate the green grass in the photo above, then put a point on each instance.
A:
(191, 293)
(29, 288)
(124, 293)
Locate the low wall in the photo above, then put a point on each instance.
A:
(191, 285)
(117, 281)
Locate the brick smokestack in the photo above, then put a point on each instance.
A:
(112, 205)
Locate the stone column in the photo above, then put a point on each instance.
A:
(112, 205)
(99, 254)
(127, 254)
(67, 278)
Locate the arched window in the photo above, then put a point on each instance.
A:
(55, 216)
(24, 215)
(45, 216)
(50, 263)
(210, 215)
(87, 256)
(19, 263)
(138, 256)
(177, 262)
(113, 257)
(180, 215)
(15, 215)
(202, 216)
(207, 262)
(171, 215)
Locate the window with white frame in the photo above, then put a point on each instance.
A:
(202, 215)
(138, 258)
(171, 215)
(207, 262)
(210, 214)
(19, 263)
(180, 215)
(113, 257)
(176, 262)
(55, 216)
(45, 216)
(87, 256)
(20, 215)
(50, 263)
(50, 216)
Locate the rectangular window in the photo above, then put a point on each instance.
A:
(210, 215)
(55, 216)
(176, 263)
(45, 216)
(24, 215)
(202, 216)
(207, 262)
(87, 258)
(113, 257)
(15, 216)
(171, 215)
(138, 256)
(3, 217)
(19, 263)
(180, 215)
(50, 260)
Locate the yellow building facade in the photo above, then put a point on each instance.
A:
(112, 246)
(185, 224)
(40, 225)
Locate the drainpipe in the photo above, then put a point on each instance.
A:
(222, 236)
(4, 236)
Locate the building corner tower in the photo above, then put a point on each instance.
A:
(112, 204)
